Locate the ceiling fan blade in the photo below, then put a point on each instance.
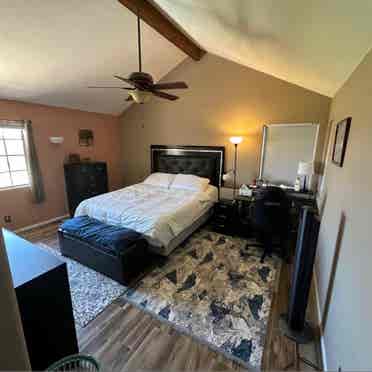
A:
(135, 84)
(164, 95)
(174, 85)
(130, 82)
(125, 88)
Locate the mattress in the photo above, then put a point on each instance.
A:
(155, 211)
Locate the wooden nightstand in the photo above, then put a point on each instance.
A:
(224, 216)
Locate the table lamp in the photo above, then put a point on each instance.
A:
(235, 141)
(305, 169)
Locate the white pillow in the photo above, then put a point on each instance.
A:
(189, 182)
(160, 179)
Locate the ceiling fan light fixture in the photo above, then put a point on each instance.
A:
(140, 96)
(141, 84)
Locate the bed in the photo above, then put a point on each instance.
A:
(166, 217)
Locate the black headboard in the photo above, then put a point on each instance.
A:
(202, 161)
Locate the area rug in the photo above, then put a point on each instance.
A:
(215, 290)
(91, 292)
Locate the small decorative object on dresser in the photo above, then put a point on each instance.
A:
(341, 138)
(83, 181)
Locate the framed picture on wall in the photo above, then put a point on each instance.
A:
(341, 137)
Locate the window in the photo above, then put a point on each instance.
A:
(13, 163)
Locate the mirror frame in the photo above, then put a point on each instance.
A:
(264, 138)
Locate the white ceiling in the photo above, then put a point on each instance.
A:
(51, 50)
(313, 43)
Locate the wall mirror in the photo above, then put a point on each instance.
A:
(283, 147)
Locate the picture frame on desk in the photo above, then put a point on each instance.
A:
(341, 139)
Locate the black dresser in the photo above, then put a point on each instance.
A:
(83, 181)
(41, 284)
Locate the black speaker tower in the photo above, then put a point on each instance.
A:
(293, 324)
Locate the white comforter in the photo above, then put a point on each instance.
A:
(157, 212)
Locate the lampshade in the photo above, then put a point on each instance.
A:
(140, 96)
(236, 140)
(228, 175)
(305, 168)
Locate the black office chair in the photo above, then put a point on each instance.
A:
(271, 211)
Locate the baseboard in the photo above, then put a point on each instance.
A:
(322, 341)
(40, 224)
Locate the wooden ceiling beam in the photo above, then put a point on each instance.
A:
(158, 21)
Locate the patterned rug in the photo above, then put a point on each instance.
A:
(215, 290)
(91, 292)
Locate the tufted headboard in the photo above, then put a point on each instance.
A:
(203, 161)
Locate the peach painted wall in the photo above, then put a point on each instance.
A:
(54, 121)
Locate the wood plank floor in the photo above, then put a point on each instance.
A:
(123, 338)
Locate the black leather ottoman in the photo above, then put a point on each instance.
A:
(117, 252)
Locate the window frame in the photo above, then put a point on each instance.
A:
(7, 156)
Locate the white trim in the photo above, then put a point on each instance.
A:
(263, 146)
(40, 224)
(15, 187)
(327, 156)
(316, 141)
(322, 341)
(264, 135)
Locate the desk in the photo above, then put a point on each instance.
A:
(44, 301)
(302, 199)
(245, 205)
(297, 198)
(234, 215)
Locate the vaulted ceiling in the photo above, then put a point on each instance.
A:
(50, 51)
(313, 43)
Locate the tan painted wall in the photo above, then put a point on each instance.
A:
(346, 251)
(52, 121)
(224, 99)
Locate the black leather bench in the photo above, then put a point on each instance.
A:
(117, 252)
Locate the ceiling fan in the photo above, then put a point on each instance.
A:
(142, 85)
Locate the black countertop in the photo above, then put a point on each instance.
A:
(26, 260)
